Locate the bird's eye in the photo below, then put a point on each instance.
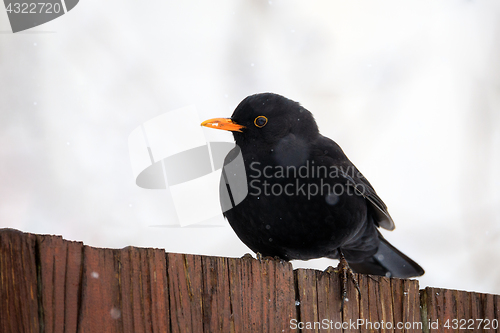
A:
(260, 121)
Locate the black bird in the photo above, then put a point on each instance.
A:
(305, 198)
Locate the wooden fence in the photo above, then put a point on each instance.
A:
(48, 284)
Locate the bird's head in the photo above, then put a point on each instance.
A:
(266, 119)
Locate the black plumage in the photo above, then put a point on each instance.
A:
(305, 197)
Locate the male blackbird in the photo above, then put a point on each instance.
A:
(305, 197)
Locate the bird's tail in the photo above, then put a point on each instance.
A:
(388, 261)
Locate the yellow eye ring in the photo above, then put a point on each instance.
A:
(260, 121)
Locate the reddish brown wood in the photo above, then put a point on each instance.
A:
(157, 268)
(374, 311)
(262, 295)
(60, 266)
(386, 312)
(399, 298)
(184, 273)
(450, 306)
(143, 290)
(307, 299)
(18, 283)
(434, 307)
(488, 310)
(101, 304)
(48, 284)
(350, 313)
(284, 309)
(411, 307)
(240, 294)
(124, 291)
(328, 291)
(497, 312)
(364, 304)
(476, 311)
(383, 303)
(460, 311)
(216, 295)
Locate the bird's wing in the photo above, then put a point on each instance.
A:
(336, 157)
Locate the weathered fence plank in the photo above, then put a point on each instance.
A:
(60, 270)
(48, 284)
(329, 302)
(216, 295)
(18, 282)
(459, 311)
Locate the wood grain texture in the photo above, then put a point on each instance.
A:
(124, 291)
(385, 305)
(329, 302)
(262, 295)
(18, 283)
(186, 289)
(60, 267)
(447, 310)
(48, 284)
(216, 295)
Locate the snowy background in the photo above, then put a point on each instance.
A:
(409, 89)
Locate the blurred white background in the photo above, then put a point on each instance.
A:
(409, 89)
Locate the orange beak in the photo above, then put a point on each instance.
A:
(222, 124)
